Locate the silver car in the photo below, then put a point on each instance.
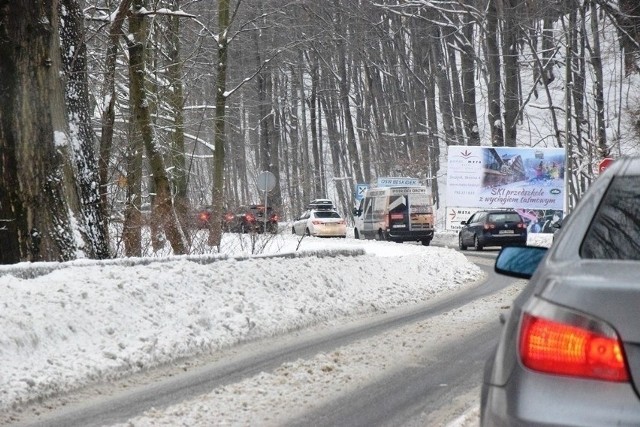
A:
(569, 352)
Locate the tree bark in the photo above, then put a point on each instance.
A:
(74, 61)
(38, 193)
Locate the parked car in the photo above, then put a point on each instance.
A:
(251, 219)
(492, 228)
(569, 352)
(320, 223)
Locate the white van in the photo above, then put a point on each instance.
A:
(398, 214)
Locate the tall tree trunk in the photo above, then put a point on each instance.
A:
(468, 70)
(302, 123)
(132, 224)
(108, 112)
(313, 108)
(492, 56)
(354, 167)
(74, 62)
(163, 199)
(444, 88)
(215, 230)
(511, 72)
(596, 63)
(38, 193)
(176, 101)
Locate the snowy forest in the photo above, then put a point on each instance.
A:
(116, 115)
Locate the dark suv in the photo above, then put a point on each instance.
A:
(251, 219)
(492, 228)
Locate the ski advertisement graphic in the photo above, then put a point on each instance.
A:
(506, 177)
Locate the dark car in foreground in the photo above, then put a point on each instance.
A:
(569, 351)
(492, 228)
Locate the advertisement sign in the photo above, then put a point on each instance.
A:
(506, 177)
(456, 215)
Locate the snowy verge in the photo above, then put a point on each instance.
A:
(84, 324)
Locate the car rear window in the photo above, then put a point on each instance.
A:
(504, 217)
(614, 232)
(327, 214)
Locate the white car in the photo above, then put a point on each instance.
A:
(320, 223)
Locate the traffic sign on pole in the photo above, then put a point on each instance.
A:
(604, 164)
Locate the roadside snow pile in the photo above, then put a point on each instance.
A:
(93, 321)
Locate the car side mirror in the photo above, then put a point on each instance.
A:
(519, 261)
(463, 222)
(357, 212)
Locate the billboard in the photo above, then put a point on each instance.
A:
(506, 177)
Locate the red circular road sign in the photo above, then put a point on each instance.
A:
(604, 164)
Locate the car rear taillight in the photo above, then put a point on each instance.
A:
(522, 225)
(564, 348)
(489, 226)
(204, 216)
(249, 217)
(317, 222)
(228, 217)
(396, 216)
(274, 218)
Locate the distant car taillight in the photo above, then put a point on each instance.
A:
(204, 216)
(522, 225)
(563, 348)
(274, 218)
(396, 216)
(228, 217)
(250, 218)
(489, 226)
(317, 222)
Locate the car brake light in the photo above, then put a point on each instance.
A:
(522, 225)
(489, 226)
(250, 217)
(228, 217)
(396, 216)
(204, 216)
(317, 222)
(274, 217)
(565, 349)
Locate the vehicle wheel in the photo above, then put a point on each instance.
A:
(476, 244)
(426, 242)
(307, 232)
(461, 245)
(356, 235)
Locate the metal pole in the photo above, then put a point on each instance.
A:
(264, 230)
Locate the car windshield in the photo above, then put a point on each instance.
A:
(504, 217)
(327, 214)
(614, 232)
